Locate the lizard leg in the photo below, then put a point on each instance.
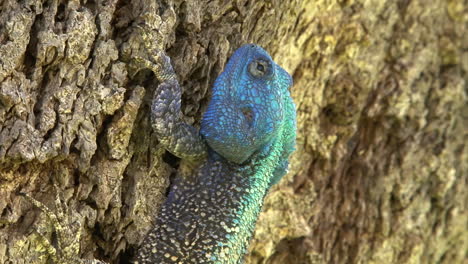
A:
(68, 238)
(178, 137)
(47, 245)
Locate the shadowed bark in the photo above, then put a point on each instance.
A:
(380, 172)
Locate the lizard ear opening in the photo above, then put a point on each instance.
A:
(249, 115)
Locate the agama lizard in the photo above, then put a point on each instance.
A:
(247, 133)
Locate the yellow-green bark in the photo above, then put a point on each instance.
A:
(380, 174)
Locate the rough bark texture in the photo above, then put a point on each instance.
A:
(380, 174)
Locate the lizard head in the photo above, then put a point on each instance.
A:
(250, 108)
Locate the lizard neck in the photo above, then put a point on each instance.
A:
(229, 198)
(235, 201)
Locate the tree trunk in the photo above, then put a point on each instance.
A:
(380, 172)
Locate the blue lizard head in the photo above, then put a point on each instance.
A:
(251, 108)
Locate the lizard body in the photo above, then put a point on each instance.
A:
(248, 133)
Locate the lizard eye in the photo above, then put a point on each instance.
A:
(260, 68)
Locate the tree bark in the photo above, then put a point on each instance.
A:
(380, 172)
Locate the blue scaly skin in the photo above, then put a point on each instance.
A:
(248, 133)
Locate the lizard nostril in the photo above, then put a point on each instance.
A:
(248, 114)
